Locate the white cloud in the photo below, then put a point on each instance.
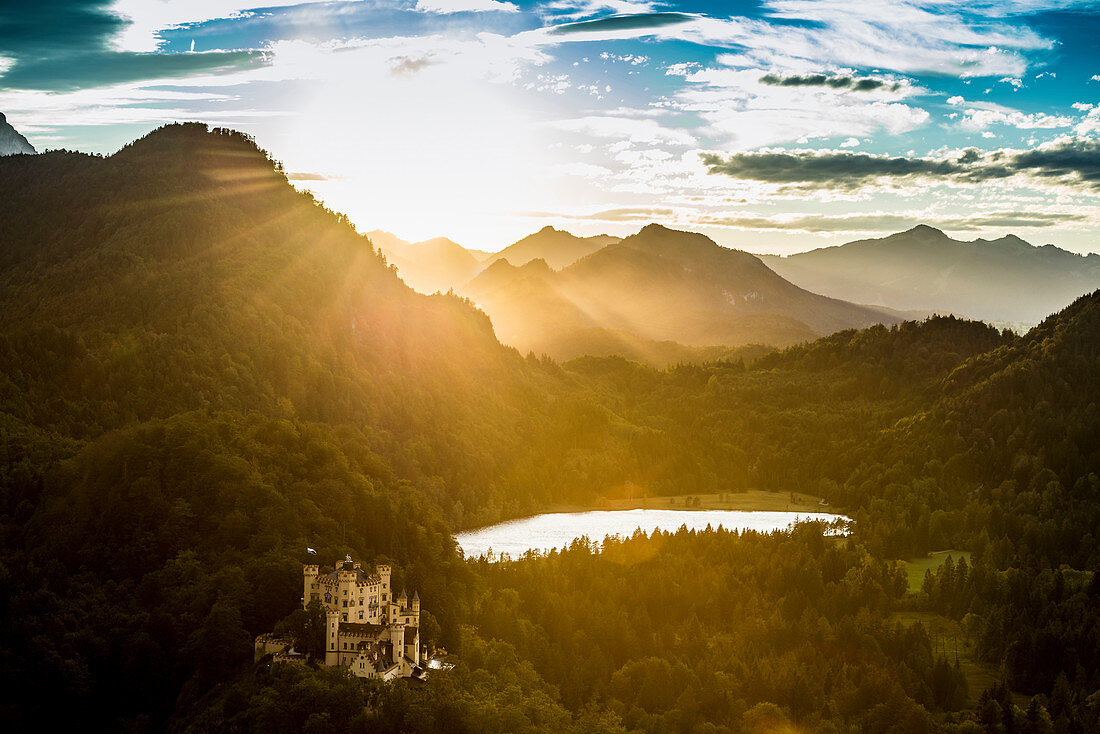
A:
(1090, 125)
(980, 119)
(645, 131)
(1014, 81)
(149, 17)
(741, 112)
(850, 143)
(955, 100)
(465, 6)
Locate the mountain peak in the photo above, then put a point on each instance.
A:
(11, 142)
(927, 231)
(548, 229)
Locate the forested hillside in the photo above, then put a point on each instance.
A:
(203, 371)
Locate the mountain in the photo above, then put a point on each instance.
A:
(431, 265)
(1001, 280)
(557, 248)
(659, 285)
(11, 142)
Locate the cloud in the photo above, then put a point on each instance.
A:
(619, 214)
(816, 223)
(465, 6)
(410, 65)
(80, 71)
(1073, 162)
(743, 113)
(645, 131)
(635, 22)
(880, 222)
(983, 115)
(62, 45)
(864, 84)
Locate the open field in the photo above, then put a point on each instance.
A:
(949, 639)
(916, 567)
(753, 499)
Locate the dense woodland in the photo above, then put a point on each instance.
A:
(203, 371)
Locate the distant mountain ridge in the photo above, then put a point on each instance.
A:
(1005, 280)
(11, 142)
(557, 248)
(438, 264)
(659, 285)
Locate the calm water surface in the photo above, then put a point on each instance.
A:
(559, 529)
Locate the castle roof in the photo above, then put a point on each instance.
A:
(416, 596)
(362, 628)
(361, 576)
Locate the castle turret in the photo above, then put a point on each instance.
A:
(332, 628)
(414, 605)
(309, 583)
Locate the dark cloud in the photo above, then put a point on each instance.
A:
(40, 28)
(69, 72)
(409, 65)
(856, 84)
(64, 45)
(1073, 162)
(639, 21)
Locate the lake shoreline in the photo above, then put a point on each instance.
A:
(753, 500)
(555, 530)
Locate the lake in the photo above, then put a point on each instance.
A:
(559, 529)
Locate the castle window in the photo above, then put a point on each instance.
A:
(360, 615)
(360, 601)
(345, 617)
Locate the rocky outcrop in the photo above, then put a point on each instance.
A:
(11, 142)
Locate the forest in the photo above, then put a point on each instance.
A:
(204, 371)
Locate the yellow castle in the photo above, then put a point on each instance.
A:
(369, 632)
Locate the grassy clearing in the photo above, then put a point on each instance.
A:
(949, 640)
(916, 567)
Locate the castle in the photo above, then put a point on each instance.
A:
(368, 631)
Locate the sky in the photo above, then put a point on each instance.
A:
(770, 125)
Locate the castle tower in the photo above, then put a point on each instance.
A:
(309, 583)
(397, 637)
(332, 644)
(414, 606)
